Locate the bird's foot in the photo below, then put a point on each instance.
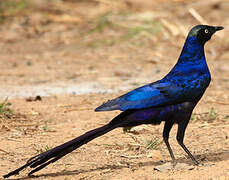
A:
(195, 162)
(174, 163)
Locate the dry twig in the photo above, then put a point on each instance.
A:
(197, 16)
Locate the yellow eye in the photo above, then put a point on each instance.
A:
(206, 31)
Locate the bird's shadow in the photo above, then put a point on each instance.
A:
(203, 158)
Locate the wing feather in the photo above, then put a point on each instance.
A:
(150, 95)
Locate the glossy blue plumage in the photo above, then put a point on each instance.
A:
(187, 81)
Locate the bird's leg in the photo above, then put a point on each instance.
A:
(180, 137)
(167, 127)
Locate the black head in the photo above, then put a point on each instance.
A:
(203, 33)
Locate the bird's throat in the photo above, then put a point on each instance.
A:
(192, 51)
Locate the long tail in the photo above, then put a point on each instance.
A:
(40, 161)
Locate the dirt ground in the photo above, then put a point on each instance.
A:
(77, 54)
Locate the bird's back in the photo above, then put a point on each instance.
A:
(186, 82)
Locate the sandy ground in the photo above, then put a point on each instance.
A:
(78, 55)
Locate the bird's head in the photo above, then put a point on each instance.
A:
(203, 33)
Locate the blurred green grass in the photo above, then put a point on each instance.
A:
(5, 111)
(9, 8)
(126, 28)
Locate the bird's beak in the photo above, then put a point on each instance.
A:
(218, 28)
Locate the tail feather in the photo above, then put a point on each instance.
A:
(42, 160)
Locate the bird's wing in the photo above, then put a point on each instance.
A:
(151, 95)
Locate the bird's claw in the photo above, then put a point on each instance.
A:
(174, 163)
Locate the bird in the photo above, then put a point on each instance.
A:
(170, 100)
